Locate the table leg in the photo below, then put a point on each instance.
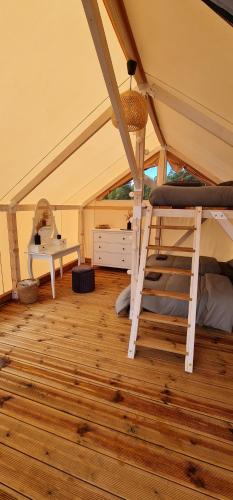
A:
(79, 256)
(30, 271)
(61, 266)
(52, 274)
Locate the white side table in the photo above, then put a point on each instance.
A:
(51, 254)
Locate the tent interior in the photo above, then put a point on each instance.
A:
(78, 419)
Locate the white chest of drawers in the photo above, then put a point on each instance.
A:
(112, 248)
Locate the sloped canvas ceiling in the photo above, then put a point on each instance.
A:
(187, 50)
(99, 162)
(51, 89)
(212, 155)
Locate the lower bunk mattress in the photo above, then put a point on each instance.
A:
(181, 197)
(215, 294)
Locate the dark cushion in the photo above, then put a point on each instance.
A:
(161, 257)
(227, 270)
(153, 276)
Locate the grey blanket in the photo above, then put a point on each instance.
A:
(205, 196)
(214, 304)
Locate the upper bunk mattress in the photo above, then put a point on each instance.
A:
(204, 196)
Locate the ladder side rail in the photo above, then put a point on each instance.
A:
(139, 286)
(136, 236)
(190, 340)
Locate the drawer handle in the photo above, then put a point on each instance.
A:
(123, 260)
(123, 248)
(100, 258)
(99, 246)
(123, 238)
(99, 236)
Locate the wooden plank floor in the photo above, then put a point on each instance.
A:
(79, 420)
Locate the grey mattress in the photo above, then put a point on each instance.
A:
(204, 196)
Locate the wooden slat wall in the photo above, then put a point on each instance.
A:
(79, 420)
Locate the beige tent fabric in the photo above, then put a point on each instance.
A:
(213, 156)
(50, 81)
(187, 49)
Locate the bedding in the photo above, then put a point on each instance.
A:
(205, 196)
(215, 293)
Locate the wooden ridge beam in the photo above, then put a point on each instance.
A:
(98, 35)
(63, 156)
(119, 19)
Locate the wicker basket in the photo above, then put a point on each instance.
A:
(27, 291)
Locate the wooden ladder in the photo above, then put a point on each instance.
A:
(190, 322)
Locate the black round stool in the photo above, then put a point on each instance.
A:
(83, 279)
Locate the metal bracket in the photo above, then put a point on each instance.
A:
(218, 214)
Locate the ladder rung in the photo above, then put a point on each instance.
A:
(169, 270)
(159, 226)
(161, 318)
(162, 345)
(171, 248)
(166, 293)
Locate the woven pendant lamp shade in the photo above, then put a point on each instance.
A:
(135, 110)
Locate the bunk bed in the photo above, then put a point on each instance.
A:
(207, 298)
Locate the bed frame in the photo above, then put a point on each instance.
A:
(223, 217)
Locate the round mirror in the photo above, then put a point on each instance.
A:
(44, 221)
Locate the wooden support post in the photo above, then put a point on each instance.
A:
(98, 35)
(81, 234)
(14, 251)
(162, 167)
(161, 176)
(137, 216)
